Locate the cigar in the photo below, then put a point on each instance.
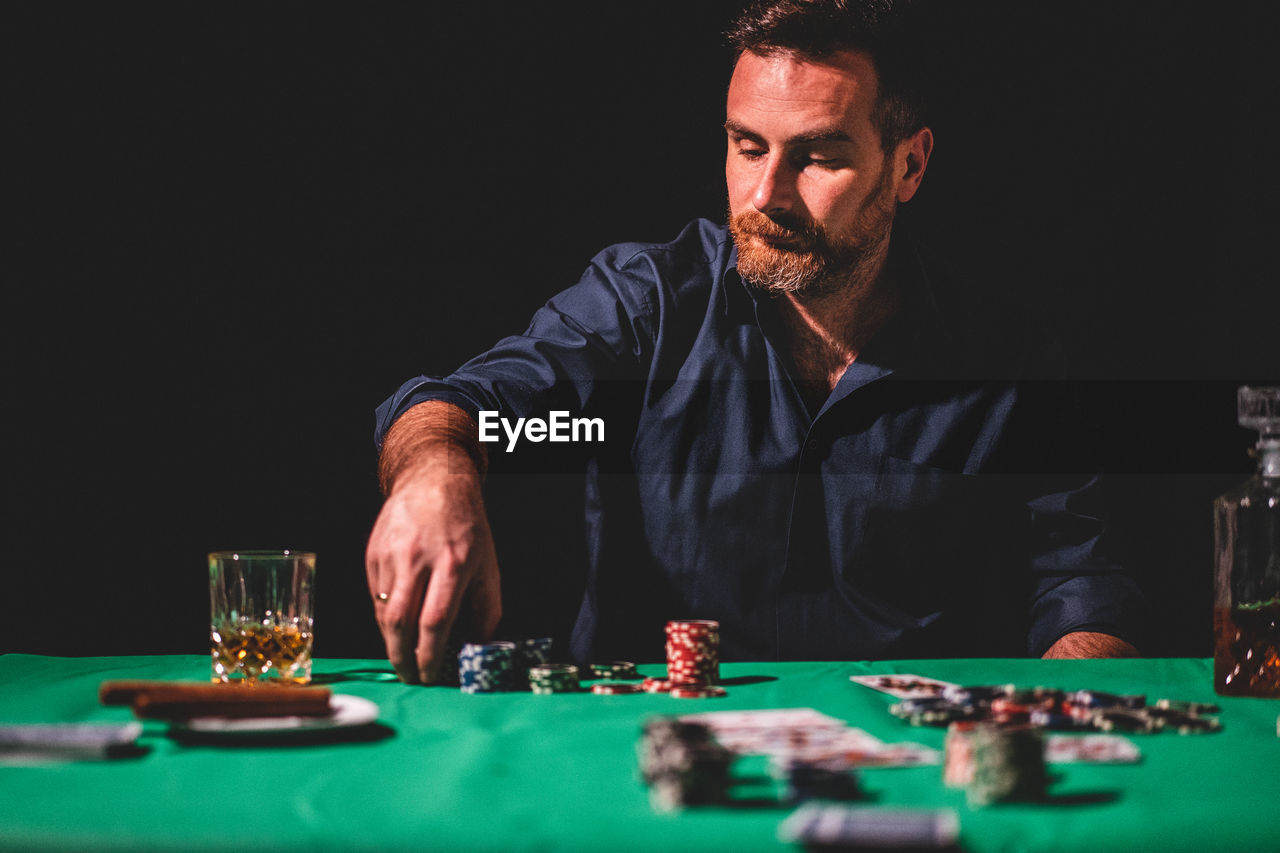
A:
(179, 700)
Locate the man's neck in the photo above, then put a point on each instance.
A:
(827, 331)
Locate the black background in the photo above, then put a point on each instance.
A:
(234, 230)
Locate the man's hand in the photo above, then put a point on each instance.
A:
(1090, 644)
(431, 547)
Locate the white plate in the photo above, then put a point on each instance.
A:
(347, 711)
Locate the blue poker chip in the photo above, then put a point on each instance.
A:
(486, 667)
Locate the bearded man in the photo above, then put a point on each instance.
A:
(798, 440)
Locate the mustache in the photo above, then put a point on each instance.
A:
(756, 224)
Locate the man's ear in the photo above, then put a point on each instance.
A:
(910, 160)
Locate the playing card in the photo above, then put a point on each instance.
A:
(903, 686)
(808, 735)
(769, 732)
(1090, 749)
(721, 721)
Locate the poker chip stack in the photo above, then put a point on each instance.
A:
(620, 677)
(693, 657)
(957, 754)
(615, 688)
(1008, 764)
(958, 761)
(486, 667)
(616, 669)
(554, 678)
(802, 779)
(529, 653)
(682, 764)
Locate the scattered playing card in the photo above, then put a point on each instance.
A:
(808, 735)
(769, 732)
(1090, 749)
(903, 686)
(857, 748)
(721, 721)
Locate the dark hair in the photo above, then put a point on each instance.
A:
(818, 28)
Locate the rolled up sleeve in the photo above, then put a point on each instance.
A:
(1077, 585)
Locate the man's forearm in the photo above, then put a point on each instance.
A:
(429, 433)
(431, 549)
(1090, 644)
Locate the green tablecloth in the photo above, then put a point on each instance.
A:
(523, 772)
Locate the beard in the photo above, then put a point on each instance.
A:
(813, 261)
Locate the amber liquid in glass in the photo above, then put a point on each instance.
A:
(251, 652)
(1246, 659)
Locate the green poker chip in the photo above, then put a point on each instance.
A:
(618, 669)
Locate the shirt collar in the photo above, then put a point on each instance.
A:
(917, 335)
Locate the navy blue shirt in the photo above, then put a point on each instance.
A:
(923, 510)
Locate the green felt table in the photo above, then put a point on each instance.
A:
(449, 771)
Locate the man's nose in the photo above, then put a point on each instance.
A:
(776, 188)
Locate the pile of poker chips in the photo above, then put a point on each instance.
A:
(802, 779)
(554, 678)
(693, 661)
(486, 667)
(614, 669)
(957, 754)
(995, 762)
(682, 691)
(530, 652)
(499, 666)
(682, 764)
(1059, 710)
(693, 667)
(615, 672)
(1005, 763)
(522, 665)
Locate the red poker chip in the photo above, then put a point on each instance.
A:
(708, 691)
(693, 647)
(694, 627)
(612, 688)
(655, 685)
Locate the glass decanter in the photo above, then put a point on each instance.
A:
(1246, 522)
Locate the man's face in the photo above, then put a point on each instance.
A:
(812, 193)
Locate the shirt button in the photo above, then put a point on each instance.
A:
(812, 444)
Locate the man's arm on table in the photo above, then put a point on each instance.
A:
(1090, 644)
(431, 547)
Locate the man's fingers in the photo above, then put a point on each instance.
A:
(398, 621)
(439, 612)
(424, 552)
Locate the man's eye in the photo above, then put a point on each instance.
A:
(750, 153)
(823, 162)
